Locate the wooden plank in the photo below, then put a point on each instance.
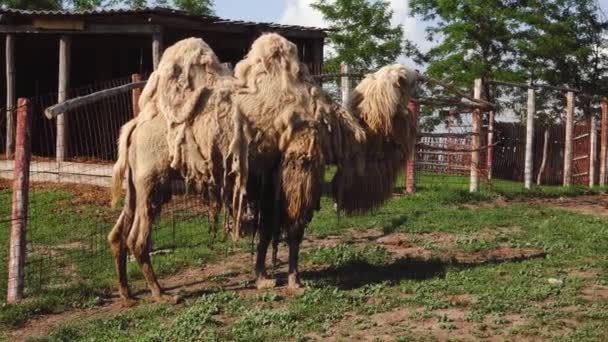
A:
(593, 151)
(582, 136)
(410, 166)
(135, 94)
(490, 151)
(10, 94)
(528, 167)
(345, 84)
(58, 24)
(18, 241)
(74, 103)
(603, 141)
(475, 139)
(580, 158)
(569, 145)
(157, 49)
(88, 29)
(61, 148)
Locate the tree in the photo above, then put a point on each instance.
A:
(476, 38)
(200, 7)
(360, 33)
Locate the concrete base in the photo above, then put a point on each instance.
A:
(63, 172)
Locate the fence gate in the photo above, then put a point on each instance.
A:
(581, 160)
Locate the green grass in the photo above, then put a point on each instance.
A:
(353, 281)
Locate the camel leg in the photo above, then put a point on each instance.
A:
(117, 239)
(295, 235)
(119, 254)
(266, 232)
(139, 242)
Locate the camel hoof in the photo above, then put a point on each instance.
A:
(265, 283)
(128, 302)
(293, 282)
(167, 299)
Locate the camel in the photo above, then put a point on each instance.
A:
(257, 141)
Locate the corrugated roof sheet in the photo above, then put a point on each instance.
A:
(152, 10)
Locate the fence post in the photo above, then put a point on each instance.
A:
(490, 151)
(61, 148)
(346, 84)
(603, 141)
(135, 94)
(10, 94)
(476, 140)
(568, 156)
(157, 47)
(410, 166)
(21, 173)
(593, 151)
(529, 166)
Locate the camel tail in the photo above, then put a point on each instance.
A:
(120, 167)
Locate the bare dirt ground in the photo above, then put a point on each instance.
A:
(234, 273)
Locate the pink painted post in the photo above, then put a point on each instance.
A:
(17, 251)
(410, 166)
(135, 94)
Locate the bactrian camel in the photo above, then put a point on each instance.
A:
(256, 143)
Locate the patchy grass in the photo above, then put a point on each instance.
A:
(405, 281)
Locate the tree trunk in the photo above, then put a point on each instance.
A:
(543, 163)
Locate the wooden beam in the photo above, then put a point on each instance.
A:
(135, 94)
(410, 166)
(603, 141)
(10, 95)
(490, 151)
(475, 139)
(593, 151)
(157, 49)
(62, 95)
(77, 102)
(568, 148)
(21, 174)
(529, 165)
(346, 84)
(88, 29)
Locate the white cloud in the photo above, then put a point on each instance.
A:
(299, 12)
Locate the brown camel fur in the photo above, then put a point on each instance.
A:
(261, 139)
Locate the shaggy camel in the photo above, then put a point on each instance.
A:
(261, 139)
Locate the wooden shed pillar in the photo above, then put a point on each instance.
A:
(61, 146)
(157, 49)
(10, 94)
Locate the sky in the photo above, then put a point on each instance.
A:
(299, 12)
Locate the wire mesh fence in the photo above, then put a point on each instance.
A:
(69, 214)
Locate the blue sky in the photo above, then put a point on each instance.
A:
(298, 12)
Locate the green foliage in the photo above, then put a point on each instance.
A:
(475, 38)
(360, 33)
(200, 7)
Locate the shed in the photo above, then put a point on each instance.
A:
(53, 51)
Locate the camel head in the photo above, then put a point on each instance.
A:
(380, 102)
(270, 54)
(185, 69)
(382, 97)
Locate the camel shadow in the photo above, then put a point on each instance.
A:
(359, 273)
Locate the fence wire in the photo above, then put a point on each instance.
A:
(69, 214)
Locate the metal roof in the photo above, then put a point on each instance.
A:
(160, 11)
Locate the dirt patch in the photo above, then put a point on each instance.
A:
(83, 194)
(498, 202)
(501, 254)
(594, 205)
(595, 293)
